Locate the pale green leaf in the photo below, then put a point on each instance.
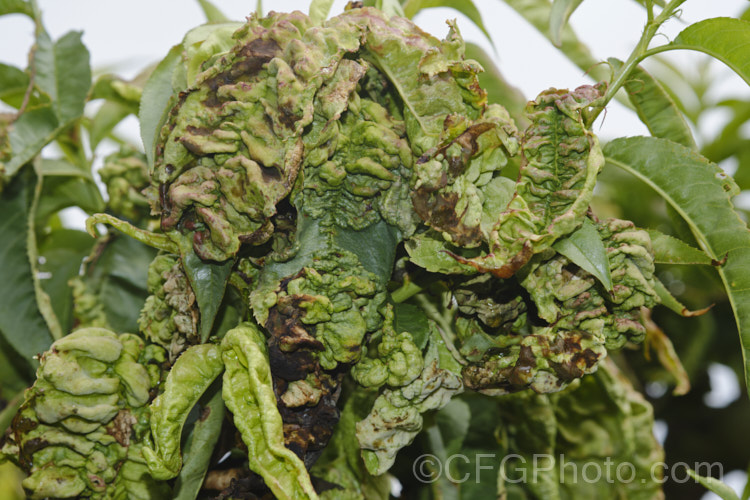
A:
(715, 486)
(558, 18)
(655, 107)
(158, 95)
(585, 249)
(13, 85)
(319, 10)
(465, 7)
(700, 192)
(21, 321)
(499, 90)
(670, 250)
(724, 38)
(16, 7)
(62, 71)
(668, 300)
(105, 120)
(212, 12)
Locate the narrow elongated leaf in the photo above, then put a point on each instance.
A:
(700, 192)
(714, 485)
(105, 120)
(558, 18)
(212, 12)
(62, 71)
(668, 300)
(155, 101)
(655, 107)
(319, 10)
(585, 249)
(670, 250)
(465, 7)
(724, 38)
(21, 321)
(209, 282)
(657, 340)
(199, 445)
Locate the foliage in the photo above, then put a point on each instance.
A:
(344, 245)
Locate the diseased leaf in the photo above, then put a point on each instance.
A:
(156, 101)
(199, 445)
(212, 12)
(465, 7)
(670, 250)
(21, 321)
(558, 18)
(714, 485)
(724, 38)
(319, 10)
(209, 282)
(62, 71)
(657, 340)
(499, 90)
(655, 107)
(700, 192)
(585, 249)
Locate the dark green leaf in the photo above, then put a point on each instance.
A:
(724, 38)
(13, 85)
(585, 249)
(498, 89)
(60, 192)
(63, 251)
(670, 250)
(715, 486)
(199, 445)
(105, 120)
(700, 192)
(212, 12)
(453, 422)
(319, 10)
(410, 318)
(558, 18)
(158, 95)
(62, 71)
(209, 282)
(378, 255)
(21, 321)
(16, 7)
(9, 411)
(655, 107)
(465, 7)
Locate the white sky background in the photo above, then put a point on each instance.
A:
(123, 37)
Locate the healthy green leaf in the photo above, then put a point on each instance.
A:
(668, 300)
(157, 100)
(465, 7)
(700, 192)
(21, 320)
(412, 319)
(13, 85)
(199, 445)
(655, 107)
(715, 486)
(585, 249)
(212, 12)
(209, 282)
(30, 133)
(319, 10)
(60, 192)
(16, 7)
(670, 250)
(105, 120)
(558, 18)
(724, 38)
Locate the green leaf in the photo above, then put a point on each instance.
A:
(63, 251)
(16, 7)
(558, 18)
(537, 13)
(21, 320)
(105, 120)
(209, 282)
(62, 71)
(668, 300)
(157, 98)
(465, 7)
(199, 445)
(34, 129)
(700, 192)
(670, 250)
(59, 192)
(212, 12)
(319, 10)
(585, 249)
(498, 89)
(13, 85)
(715, 486)
(655, 107)
(724, 38)
(412, 319)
